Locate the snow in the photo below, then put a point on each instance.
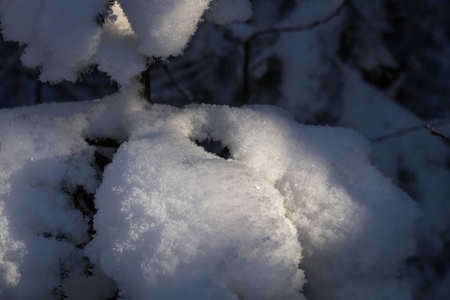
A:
(295, 212)
(189, 241)
(295, 208)
(416, 160)
(419, 154)
(37, 164)
(164, 27)
(62, 50)
(119, 40)
(64, 39)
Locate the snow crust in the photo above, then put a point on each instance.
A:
(66, 38)
(177, 222)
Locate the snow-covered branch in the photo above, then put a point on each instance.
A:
(277, 30)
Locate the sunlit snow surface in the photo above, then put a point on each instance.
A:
(295, 208)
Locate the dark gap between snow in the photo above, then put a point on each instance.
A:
(105, 148)
(215, 147)
(83, 201)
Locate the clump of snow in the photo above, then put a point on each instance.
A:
(61, 36)
(42, 158)
(346, 221)
(65, 38)
(189, 242)
(164, 28)
(116, 54)
(177, 222)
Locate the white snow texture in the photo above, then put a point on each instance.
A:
(64, 38)
(293, 204)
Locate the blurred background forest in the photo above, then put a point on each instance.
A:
(380, 67)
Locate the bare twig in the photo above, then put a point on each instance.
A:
(145, 81)
(301, 27)
(429, 127)
(437, 133)
(187, 96)
(37, 91)
(257, 34)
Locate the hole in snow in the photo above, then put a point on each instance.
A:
(82, 200)
(215, 147)
(105, 148)
(104, 152)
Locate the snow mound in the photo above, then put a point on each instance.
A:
(175, 221)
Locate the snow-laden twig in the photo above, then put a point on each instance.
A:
(429, 127)
(247, 43)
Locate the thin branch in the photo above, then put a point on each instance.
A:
(37, 91)
(245, 72)
(145, 81)
(301, 27)
(437, 133)
(429, 127)
(257, 34)
(187, 96)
